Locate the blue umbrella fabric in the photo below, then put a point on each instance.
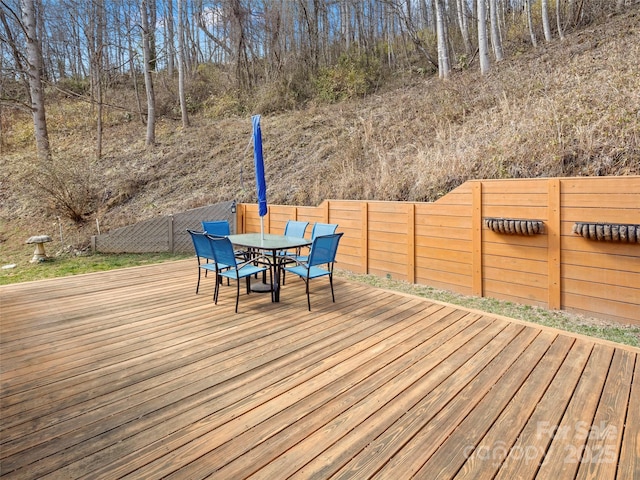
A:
(258, 160)
(261, 184)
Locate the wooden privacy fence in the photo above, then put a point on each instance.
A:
(518, 240)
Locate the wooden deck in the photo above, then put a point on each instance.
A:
(129, 374)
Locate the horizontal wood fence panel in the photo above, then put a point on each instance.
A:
(599, 215)
(516, 199)
(605, 276)
(508, 290)
(602, 200)
(619, 263)
(511, 186)
(428, 223)
(429, 209)
(440, 278)
(519, 277)
(526, 212)
(517, 263)
(525, 241)
(445, 244)
(601, 290)
(445, 232)
(425, 254)
(460, 268)
(593, 306)
(623, 251)
(601, 185)
(501, 291)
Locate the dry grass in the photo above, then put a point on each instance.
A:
(565, 109)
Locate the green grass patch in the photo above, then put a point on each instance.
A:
(593, 327)
(74, 265)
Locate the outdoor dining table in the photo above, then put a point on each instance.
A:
(270, 245)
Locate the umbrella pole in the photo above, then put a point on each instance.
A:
(262, 227)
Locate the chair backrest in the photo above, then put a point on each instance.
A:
(295, 228)
(322, 229)
(324, 249)
(222, 250)
(216, 227)
(201, 244)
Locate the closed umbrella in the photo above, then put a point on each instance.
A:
(261, 184)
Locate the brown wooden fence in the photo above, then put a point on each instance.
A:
(475, 241)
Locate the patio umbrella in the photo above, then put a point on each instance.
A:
(261, 184)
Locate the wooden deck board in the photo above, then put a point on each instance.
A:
(129, 374)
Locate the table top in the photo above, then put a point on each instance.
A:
(269, 242)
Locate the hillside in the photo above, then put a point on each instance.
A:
(565, 109)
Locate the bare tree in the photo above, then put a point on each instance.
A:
(559, 20)
(546, 28)
(170, 37)
(483, 44)
(463, 25)
(181, 93)
(148, 78)
(532, 33)
(496, 39)
(444, 67)
(34, 72)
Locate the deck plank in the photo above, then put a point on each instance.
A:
(130, 374)
(629, 460)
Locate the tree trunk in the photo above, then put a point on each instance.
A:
(545, 21)
(463, 24)
(483, 45)
(444, 67)
(559, 21)
(34, 73)
(183, 101)
(148, 79)
(171, 54)
(496, 39)
(532, 33)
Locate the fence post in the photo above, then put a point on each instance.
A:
(411, 240)
(364, 246)
(170, 232)
(476, 236)
(553, 239)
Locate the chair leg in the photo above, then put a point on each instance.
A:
(331, 283)
(238, 294)
(308, 297)
(216, 291)
(198, 284)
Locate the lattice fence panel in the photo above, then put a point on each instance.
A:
(163, 234)
(191, 219)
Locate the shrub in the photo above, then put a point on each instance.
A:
(69, 185)
(352, 77)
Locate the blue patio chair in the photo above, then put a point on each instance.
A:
(224, 255)
(293, 228)
(318, 230)
(219, 228)
(204, 254)
(323, 252)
